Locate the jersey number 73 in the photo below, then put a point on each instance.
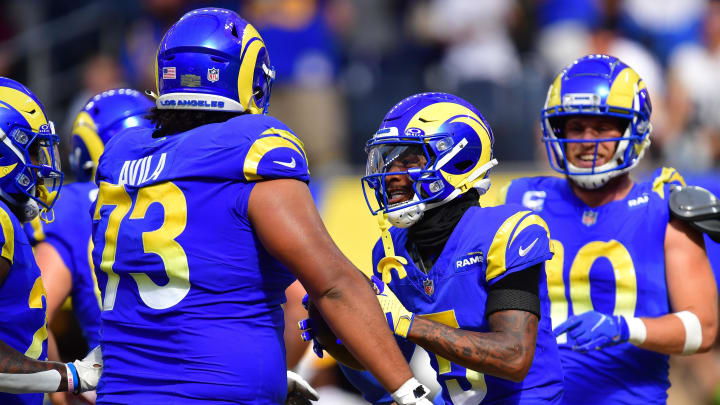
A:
(160, 241)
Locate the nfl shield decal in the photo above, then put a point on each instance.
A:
(213, 75)
(429, 286)
(589, 217)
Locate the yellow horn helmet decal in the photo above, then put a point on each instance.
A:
(85, 128)
(247, 68)
(25, 105)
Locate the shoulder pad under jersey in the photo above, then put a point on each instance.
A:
(697, 206)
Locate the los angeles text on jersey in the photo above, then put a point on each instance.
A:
(137, 171)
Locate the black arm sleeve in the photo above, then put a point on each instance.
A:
(519, 291)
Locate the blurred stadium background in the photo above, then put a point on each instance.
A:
(341, 64)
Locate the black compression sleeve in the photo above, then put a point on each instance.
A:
(519, 290)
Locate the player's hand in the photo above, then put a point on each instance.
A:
(307, 333)
(399, 318)
(412, 392)
(86, 372)
(593, 330)
(299, 391)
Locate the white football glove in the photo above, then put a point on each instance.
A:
(412, 393)
(83, 375)
(298, 387)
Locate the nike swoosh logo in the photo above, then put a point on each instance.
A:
(290, 164)
(525, 251)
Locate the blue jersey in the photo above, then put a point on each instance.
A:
(485, 246)
(22, 300)
(191, 299)
(609, 259)
(69, 234)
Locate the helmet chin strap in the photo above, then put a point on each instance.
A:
(390, 261)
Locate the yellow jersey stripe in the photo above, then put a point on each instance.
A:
(8, 248)
(668, 175)
(498, 247)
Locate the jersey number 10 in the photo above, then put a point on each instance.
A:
(578, 288)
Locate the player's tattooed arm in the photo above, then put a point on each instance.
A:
(506, 351)
(14, 362)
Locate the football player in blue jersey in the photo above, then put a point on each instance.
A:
(467, 283)
(629, 282)
(62, 246)
(30, 178)
(201, 224)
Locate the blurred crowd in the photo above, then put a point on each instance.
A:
(342, 63)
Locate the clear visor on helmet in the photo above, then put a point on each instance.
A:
(395, 158)
(391, 159)
(48, 162)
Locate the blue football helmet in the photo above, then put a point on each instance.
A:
(597, 85)
(102, 117)
(30, 175)
(212, 59)
(456, 143)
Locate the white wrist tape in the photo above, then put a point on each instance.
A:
(638, 331)
(693, 331)
(44, 381)
(407, 395)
